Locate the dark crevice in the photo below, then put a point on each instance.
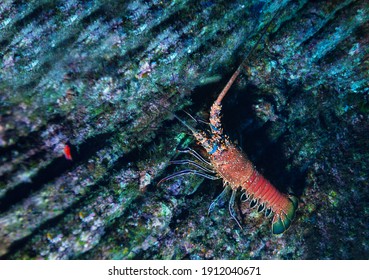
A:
(26, 143)
(93, 191)
(116, 224)
(57, 167)
(325, 29)
(35, 14)
(290, 20)
(85, 151)
(343, 47)
(21, 243)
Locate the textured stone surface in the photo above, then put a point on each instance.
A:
(101, 76)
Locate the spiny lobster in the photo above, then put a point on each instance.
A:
(229, 163)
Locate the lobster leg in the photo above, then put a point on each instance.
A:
(186, 161)
(186, 172)
(218, 199)
(196, 155)
(231, 207)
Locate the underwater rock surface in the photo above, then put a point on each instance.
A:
(101, 77)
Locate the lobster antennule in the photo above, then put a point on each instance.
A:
(282, 220)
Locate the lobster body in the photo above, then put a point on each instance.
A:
(230, 164)
(238, 172)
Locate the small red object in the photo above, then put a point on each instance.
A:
(67, 152)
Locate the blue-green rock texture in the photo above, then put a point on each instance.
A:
(102, 77)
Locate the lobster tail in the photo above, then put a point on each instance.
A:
(283, 218)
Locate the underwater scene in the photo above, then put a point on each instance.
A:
(184, 129)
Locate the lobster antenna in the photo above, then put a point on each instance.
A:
(184, 123)
(239, 68)
(172, 113)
